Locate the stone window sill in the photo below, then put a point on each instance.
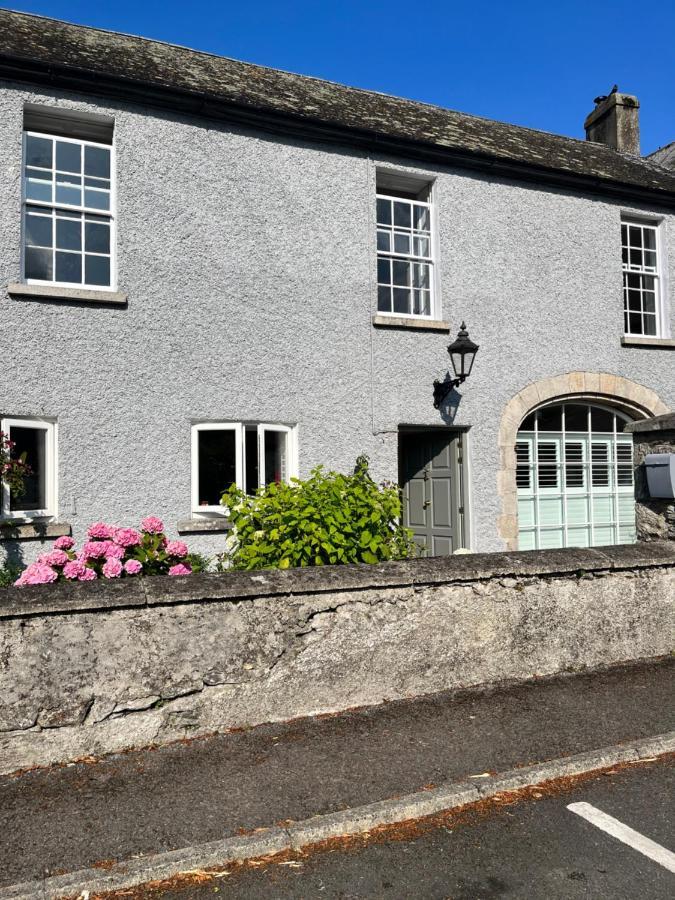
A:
(26, 531)
(629, 341)
(203, 526)
(411, 323)
(77, 295)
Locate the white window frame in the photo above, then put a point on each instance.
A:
(290, 450)
(239, 429)
(52, 206)
(430, 260)
(51, 483)
(662, 327)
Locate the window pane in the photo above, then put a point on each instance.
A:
(422, 218)
(422, 303)
(97, 270)
(251, 459)
(69, 267)
(650, 238)
(649, 323)
(217, 465)
(383, 212)
(384, 271)
(38, 264)
(68, 234)
(384, 298)
(32, 442)
(635, 234)
(68, 193)
(421, 246)
(528, 423)
(276, 452)
(68, 157)
(550, 418)
(401, 300)
(96, 199)
(401, 272)
(97, 162)
(601, 419)
(38, 231)
(402, 243)
(96, 237)
(384, 241)
(402, 216)
(39, 189)
(576, 417)
(39, 152)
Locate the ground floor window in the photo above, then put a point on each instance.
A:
(37, 440)
(246, 454)
(574, 478)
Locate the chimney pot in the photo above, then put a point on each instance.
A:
(615, 121)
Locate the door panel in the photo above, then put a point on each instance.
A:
(430, 477)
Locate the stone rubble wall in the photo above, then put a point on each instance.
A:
(88, 669)
(655, 518)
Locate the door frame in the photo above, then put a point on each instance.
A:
(464, 511)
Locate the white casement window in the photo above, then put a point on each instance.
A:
(248, 455)
(37, 439)
(574, 478)
(68, 221)
(405, 256)
(642, 291)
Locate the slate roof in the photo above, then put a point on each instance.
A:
(40, 49)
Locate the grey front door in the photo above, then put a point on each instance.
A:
(431, 482)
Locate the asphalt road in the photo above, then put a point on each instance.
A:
(534, 849)
(146, 802)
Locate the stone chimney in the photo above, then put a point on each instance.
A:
(615, 121)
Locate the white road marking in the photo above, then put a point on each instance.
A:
(627, 835)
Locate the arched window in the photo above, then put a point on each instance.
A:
(574, 478)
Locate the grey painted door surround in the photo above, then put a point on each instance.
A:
(430, 472)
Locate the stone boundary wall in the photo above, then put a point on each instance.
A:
(654, 517)
(95, 668)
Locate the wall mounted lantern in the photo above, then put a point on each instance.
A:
(462, 354)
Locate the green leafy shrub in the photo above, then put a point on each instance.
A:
(9, 572)
(327, 519)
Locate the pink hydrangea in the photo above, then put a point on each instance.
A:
(54, 558)
(94, 549)
(112, 568)
(74, 570)
(101, 530)
(64, 543)
(180, 569)
(127, 537)
(132, 567)
(88, 575)
(37, 573)
(177, 548)
(152, 525)
(114, 551)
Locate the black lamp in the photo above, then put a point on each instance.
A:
(462, 355)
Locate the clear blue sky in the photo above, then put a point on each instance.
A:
(530, 63)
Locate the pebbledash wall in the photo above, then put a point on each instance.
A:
(94, 668)
(249, 264)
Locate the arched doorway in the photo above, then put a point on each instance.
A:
(574, 477)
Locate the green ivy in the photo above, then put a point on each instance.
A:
(327, 519)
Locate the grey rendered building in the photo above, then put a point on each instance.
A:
(212, 271)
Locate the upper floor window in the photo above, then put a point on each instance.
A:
(68, 224)
(641, 278)
(250, 456)
(37, 440)
(405, 256)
